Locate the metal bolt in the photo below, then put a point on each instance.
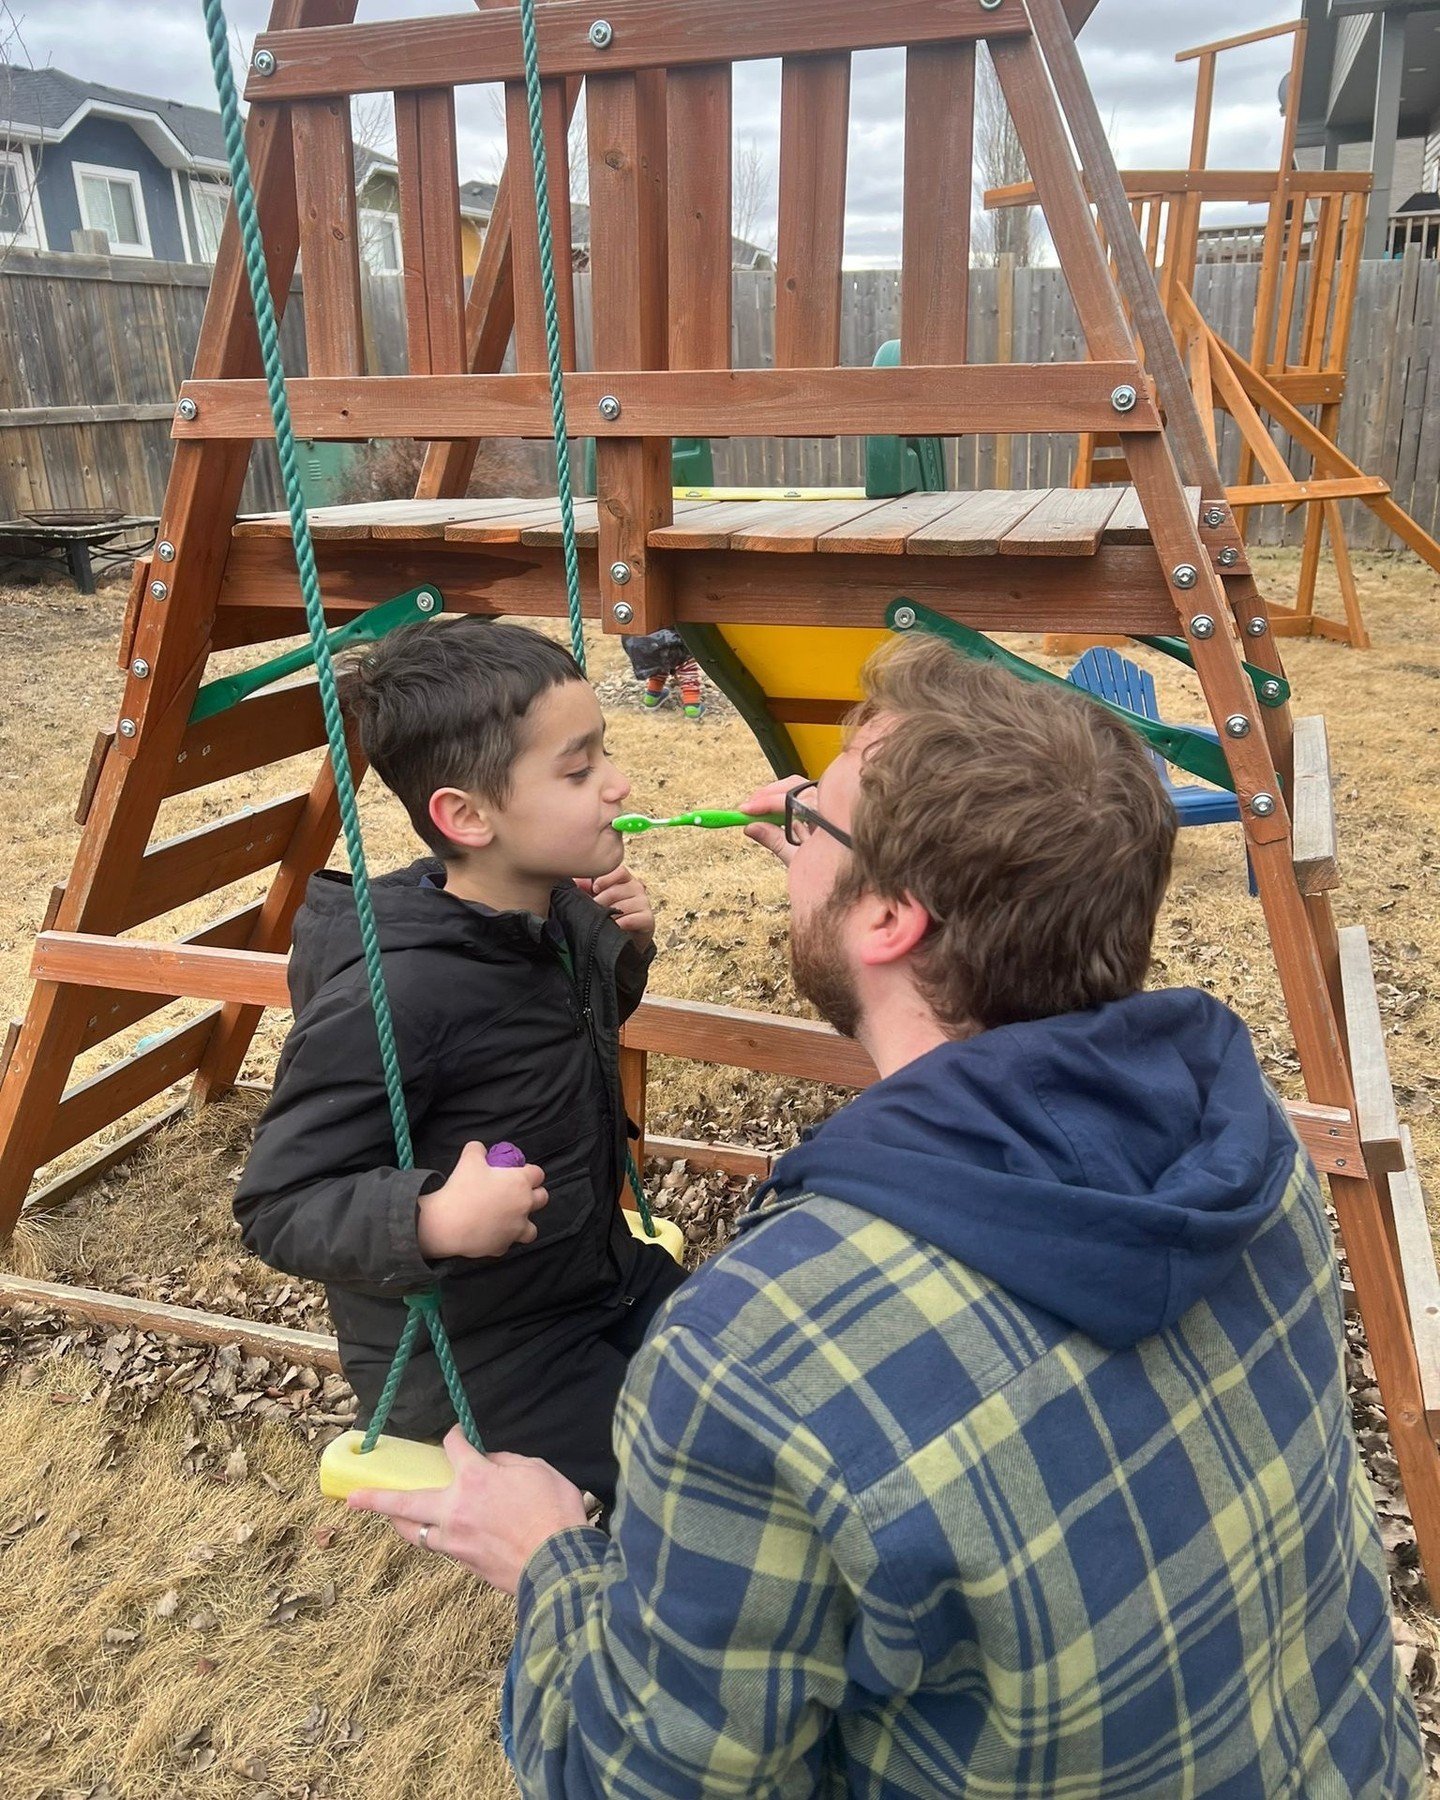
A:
(619, 573)
(1262, 805)
(187, 409)
(1123, 398)
(601, 33)
(905, 615)
(1229, 558)
(624, 612)
(1270, 690)
(139, 668)
(1256, 627)
(159, 590)
(1202, 626)
(609, 407)
(127, 728)
(165, 551)
(1237, 726)
(1214, 516)
(1186, 575)
(263, 62)
(425, 602)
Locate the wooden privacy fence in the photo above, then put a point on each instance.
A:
(95, 350)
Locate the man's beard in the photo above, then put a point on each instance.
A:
(818, 969)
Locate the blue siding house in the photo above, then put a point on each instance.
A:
(78, 156)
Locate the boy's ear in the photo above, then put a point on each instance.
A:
(459, 817)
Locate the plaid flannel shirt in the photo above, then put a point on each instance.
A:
(885, 1531)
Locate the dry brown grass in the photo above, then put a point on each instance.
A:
(408, 1650)
(139, 1616)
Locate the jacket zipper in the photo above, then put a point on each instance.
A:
(587, 1020)
(587, 1016)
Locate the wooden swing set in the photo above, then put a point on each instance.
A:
(1297, 360)
(783, 601)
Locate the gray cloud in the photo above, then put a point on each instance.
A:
(1128, 48)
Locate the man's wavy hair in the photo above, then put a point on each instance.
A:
(1028, 822)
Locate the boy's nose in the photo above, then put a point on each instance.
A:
(619, 787)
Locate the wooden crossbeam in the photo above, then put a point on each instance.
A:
(726, 1035)
(646, 34)
(1013, 397)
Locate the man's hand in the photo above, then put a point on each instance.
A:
(493, 1517)
(480, 1211)
(623, 896)
(771, 799)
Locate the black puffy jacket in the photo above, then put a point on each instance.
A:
(496, 1040)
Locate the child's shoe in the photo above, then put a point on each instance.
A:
(655, 691)
(687, 678)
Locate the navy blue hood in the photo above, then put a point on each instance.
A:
(1107, 1166)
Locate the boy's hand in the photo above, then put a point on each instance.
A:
(480, 1211)
(771, 799)
(623, 896)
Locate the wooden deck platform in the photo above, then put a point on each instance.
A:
(1000, 560)
(1004, 522)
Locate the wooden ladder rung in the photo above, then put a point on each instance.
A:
(1369, 1066)
(1312, 813)
(190, 969)
(196, 863)
(1417, 1267)
(92, 1105)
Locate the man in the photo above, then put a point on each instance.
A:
(1006, 1452)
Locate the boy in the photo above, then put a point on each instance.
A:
(511, 958)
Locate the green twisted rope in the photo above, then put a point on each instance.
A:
(424, 1306)
(539, 161)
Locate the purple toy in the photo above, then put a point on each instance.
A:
(505, 1156)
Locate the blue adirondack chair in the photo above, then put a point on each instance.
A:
(1110, 676)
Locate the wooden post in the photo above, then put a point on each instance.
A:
(626, 130)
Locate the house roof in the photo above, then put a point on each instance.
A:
(743, 255)
(47, 104)
(477, 198)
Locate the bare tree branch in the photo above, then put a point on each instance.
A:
(751, 180)
(19, 158)
(999, 162)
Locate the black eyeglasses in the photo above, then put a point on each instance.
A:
(802, 821)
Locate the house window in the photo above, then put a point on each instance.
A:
(380, 242)
(111, 201)
(211, 200)
(17, 201)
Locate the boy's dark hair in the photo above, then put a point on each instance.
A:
(443, 703)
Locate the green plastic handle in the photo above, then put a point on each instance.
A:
(365, 628)
(1270, 690)
(708, 818)
(1188, 750)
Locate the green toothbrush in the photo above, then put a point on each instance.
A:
(709, 818)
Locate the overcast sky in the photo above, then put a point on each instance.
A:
(1128, 48)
